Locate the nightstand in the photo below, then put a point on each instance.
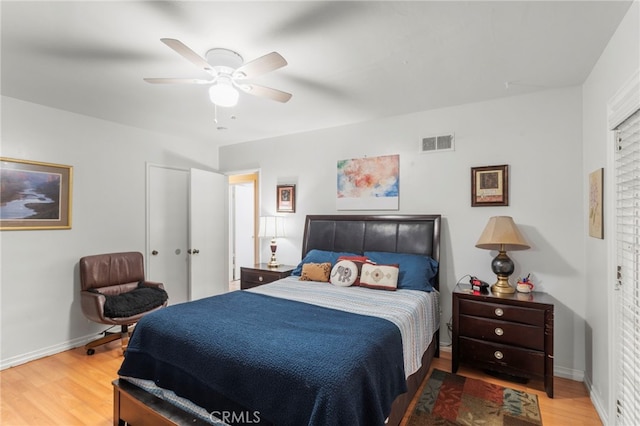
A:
(262, 274)
(510, 334)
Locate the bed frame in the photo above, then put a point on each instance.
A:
(415, 234)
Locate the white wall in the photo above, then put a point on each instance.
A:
(539, 136)
(616, 65)
(40, 304)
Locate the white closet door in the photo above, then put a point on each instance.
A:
(167, 230)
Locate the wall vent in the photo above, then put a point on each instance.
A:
(437, 143)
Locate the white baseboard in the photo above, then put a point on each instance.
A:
(597, 401)
(568, 373)
(41, 353)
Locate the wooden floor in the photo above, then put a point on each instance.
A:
(71, 388)
(570, 405)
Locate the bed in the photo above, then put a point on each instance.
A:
(293, 352)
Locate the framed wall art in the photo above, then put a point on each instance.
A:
(490, 186)
(370, 183)
(286, 199)
(34, 195)
(596, 222)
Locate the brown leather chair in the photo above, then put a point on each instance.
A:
(114, 291)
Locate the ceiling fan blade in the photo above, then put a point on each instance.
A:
(177, 81)
(264, 64)
(266, 92)
(188, 54)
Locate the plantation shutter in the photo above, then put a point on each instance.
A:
(627, 173)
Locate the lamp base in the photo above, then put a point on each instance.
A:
(503, 267)
(273, 263)
(502, 286)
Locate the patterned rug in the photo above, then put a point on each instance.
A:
(449, 399)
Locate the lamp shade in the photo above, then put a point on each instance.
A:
(502, 234)
(271, 227)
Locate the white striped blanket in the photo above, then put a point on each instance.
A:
(415, 313)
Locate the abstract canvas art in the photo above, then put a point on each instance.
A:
(370, 183)
(595, 204)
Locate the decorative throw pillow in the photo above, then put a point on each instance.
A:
(316, 272)
(319, 256)
(344, 273)
(379, 277)
(417, 272)
(359, 261)
(139, 300)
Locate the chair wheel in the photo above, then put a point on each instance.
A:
(91, 351)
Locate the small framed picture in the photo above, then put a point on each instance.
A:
(286, 199)
(34, 195)
(490, 186)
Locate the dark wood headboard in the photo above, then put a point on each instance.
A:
(414, 234)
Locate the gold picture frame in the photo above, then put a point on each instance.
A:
(490, 186)
(286, 198)
(34, 195)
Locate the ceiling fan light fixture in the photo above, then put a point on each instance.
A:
(227, 72)
(223, 94)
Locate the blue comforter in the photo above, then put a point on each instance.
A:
(289, 362)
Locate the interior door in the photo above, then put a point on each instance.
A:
(167, 230)
(208, 242)
(243, 201)
(244, 235)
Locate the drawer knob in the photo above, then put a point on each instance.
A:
(260, 278)
(499, 331)
(499, 312)
(498, 355)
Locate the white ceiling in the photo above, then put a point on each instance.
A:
(348, 61)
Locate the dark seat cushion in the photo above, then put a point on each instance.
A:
(134, 302)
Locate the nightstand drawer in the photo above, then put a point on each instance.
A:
(262, 274)
(505, 358)
(509, 333)
(502, 312)
(259, 277)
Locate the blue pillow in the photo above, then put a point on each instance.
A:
(417, 272)
(320, 256)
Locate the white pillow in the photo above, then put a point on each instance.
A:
(380, 277)
(344, 273)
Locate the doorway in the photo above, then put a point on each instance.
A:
(243, 224)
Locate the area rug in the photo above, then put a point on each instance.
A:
(449, 399)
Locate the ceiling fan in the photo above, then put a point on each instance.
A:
(228, 73)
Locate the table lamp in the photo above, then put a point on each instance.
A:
(272, 227)
(502, 234)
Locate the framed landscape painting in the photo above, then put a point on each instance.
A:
(34, 195)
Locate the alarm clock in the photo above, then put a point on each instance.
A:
(478, 285)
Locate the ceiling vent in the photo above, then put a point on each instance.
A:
(437, 143)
